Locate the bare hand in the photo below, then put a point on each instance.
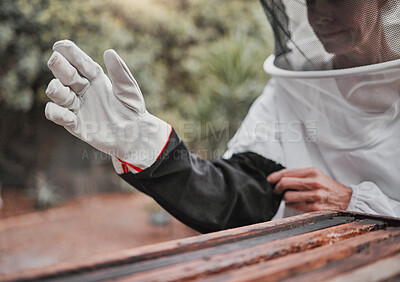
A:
(314, 191)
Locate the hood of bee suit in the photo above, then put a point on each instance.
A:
(337, 63)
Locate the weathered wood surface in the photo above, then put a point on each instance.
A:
(311, 247)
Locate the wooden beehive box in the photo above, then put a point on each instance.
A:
(320, 246)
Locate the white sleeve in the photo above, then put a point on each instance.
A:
(368, 198)
(258, 132)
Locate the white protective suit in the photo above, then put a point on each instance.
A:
(343, 121)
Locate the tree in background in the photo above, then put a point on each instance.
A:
(198, 62)
(29, 144)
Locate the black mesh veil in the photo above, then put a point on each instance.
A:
(276, 13)
(326, 34)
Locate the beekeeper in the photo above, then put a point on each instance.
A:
(323, 135)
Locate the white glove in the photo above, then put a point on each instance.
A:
(109, 115)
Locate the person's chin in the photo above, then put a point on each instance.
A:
(338, 46)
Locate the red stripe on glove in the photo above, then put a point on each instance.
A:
(138, 169)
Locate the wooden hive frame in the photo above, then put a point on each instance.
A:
(330, 245)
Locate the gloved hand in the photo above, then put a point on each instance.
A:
(109, 115)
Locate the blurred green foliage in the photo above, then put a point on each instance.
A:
(195, 60)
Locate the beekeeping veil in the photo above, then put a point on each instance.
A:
(336, 62)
